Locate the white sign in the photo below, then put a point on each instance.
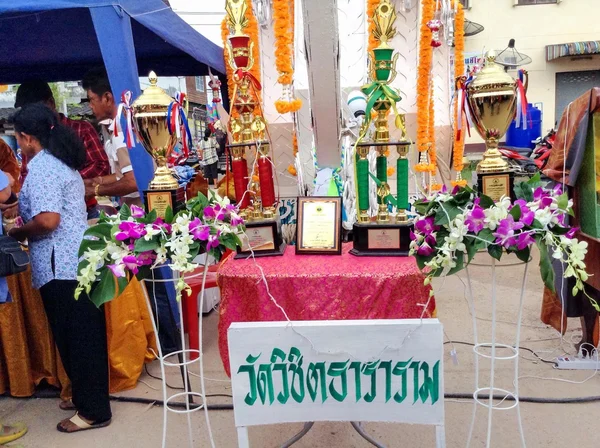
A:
(362, 370)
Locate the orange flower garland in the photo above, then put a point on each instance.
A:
(251, 30)
(423, 81)
(283, 17)
(371, 7)
(459, 70)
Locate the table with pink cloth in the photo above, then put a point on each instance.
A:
(319, 287)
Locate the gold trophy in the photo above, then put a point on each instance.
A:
(492, 101)
(150, 122)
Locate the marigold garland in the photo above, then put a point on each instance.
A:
(423, 83)
(459, 70)
(431, 134)
(371, 7)
(252, 31)
(283, 18)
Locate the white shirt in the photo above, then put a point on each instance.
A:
(117, 152)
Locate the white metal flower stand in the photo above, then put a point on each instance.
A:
(485, 396)
(183, 359)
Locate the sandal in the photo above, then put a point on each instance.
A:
(12, 432)
(67, 405)
(79, 424)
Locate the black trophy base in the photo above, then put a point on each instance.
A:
(381, 240)
(159, 200)
(496, 185)
(262, 238)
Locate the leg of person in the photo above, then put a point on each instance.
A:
(12, 432)
(83, 328)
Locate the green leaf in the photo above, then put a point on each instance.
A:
(169, 217)
(535, 181)
(495, 250)
(524, 254)
(105, 291)
(446, 213)
(472, 248)
(460, 260)
(546, 265)
(558, 230)
(101, 231)
(563, 201)
(485, 202)
(216, 253)
(122, 283)
(515, 212)
(487, 235)
(462, 197)
(142, 245)
(125, 212)
(90, 244)
(536, 224)
(524, 190)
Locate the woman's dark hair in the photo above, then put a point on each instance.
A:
(207, 133)
(40, 122)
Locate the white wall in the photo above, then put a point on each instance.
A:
(204, 15)
(533, 27)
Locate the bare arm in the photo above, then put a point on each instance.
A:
(42, 224)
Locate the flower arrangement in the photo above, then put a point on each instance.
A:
(452, 228)
(132, 242)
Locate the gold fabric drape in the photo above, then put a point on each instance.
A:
(28, 354)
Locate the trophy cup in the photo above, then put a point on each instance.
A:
(382, 237)
(492, 101)
(257, 201)
(150, 122)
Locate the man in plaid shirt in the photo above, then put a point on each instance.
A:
(96, 163)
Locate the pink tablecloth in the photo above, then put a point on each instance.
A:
(319, 287)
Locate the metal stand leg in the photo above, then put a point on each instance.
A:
(302, 433)
(360, 430)
(478, 350)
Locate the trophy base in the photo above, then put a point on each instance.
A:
(381, 240)
(263, 237)
(498, 184)
(159, 200)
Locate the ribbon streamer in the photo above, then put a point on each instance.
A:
(177, 123)
(521, 118)
(126, 110)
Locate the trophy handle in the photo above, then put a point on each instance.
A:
(250, 56)
(394, 72)
(372, 67)
(230, 60)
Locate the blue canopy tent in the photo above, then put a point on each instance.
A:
(60, 40)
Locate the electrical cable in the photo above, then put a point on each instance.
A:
(521, 348)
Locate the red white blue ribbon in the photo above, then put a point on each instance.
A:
(521, 118)
(177, 122)
(126, 110)
(463, 110)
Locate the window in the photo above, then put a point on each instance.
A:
(200, 83)
(466, 4)
(534, 2)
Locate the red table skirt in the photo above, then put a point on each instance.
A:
(319, 287)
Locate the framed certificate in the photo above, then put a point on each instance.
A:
(319, 225)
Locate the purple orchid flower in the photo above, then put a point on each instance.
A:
(456, 189)
(221, 212)
(146, 258)
(430, 239)
(130, 230)
(505, 233)
(236, 219)
(137, 212)
(572, 232)
(131, 263)
(118, 270)
(426, 225)
(542, 197)
(213, 241)
(475, 219)
(160, 224)
(524, 240)
(413, 237)
(527, 216)
(199, 230)
(425, 250)
(557, 190)
(209, 212)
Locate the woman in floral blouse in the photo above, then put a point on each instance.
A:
(52, 206)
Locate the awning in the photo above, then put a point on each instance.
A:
(572, 49)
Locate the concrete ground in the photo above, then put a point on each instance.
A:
(545, 425)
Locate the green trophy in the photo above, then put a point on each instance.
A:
(380, 235)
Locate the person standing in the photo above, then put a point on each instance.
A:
(53, 209)
(210, 159)
(121, 182)
(96, 162)
(8, 433)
